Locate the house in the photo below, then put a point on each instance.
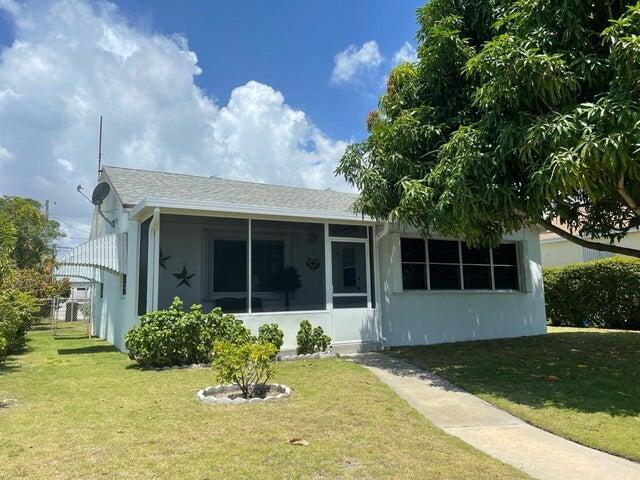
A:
(557, 251)
(80, 290)
(270, 253)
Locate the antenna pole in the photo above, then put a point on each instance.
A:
(100, 147)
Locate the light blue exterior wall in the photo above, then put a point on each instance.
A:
(400, 318)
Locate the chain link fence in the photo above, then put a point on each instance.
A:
(64, 314)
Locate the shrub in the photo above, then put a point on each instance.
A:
(311, 340)
(247, 365)
(600, 293)
(271, 333)
(177, 337)
(17, 311)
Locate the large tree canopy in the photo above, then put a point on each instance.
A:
(516, 113)
(28, 231)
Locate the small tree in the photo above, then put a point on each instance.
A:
(249, 365)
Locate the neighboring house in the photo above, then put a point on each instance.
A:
(80, 290)
(280, 254)
(557, 251)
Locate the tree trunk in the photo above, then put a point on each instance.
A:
(601, 247)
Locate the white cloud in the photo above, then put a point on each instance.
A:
(406, 53)
(353, 61)
(66, 164)
(5, 155)
(72, 61)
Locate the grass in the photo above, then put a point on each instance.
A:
(583, 385)
(79, 409)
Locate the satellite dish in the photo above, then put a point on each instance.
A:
(100, 193)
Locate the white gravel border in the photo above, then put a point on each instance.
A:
(206, 395)
(306, 356)
(179, 367)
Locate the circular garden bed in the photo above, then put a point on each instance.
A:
(231, 394)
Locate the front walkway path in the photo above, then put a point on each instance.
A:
(540, 454)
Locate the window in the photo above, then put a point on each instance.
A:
(505, 267)
(229, 266)
(287, 266)
(102, 290)
(454, 265)
(349, 267)
(444, 265)
(226, 264)
(124, 284)
(476, 267)
(414, 264)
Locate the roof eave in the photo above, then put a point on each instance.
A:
(143, 209)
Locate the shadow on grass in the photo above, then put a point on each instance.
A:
(40, 327)
(88, 350)
(70, 337)
(588, 372)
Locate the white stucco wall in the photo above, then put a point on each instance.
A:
(428, 317)
(115, 314)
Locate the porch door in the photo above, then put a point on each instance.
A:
(351, 285)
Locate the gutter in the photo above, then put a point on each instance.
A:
(137, 212)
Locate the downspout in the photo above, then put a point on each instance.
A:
(153, 261)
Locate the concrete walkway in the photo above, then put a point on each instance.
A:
(540, 454)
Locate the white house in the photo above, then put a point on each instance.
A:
(242, 245)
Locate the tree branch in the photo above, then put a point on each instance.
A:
(601, 247)
(633, 205)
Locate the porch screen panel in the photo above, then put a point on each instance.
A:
(287, 266)
(226, 262)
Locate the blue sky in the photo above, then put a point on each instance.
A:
(268, 91)
(288, 45)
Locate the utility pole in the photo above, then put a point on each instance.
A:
(46, 208)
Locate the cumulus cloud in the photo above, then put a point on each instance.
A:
(72, 61)
(406, 53)
(353, 61)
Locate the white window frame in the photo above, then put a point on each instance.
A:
(461, 265)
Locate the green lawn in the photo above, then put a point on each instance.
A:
(83, 411)
(581, 384)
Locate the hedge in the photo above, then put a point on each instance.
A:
(600, 293)
(17, 311)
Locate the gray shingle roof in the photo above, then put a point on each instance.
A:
(133, 185)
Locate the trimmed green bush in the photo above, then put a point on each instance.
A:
(600, 293)
(311, 340)
(247, 365)
(271, 333)
(178, 337)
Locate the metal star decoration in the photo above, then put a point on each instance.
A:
(184, 277)
(163, 260)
